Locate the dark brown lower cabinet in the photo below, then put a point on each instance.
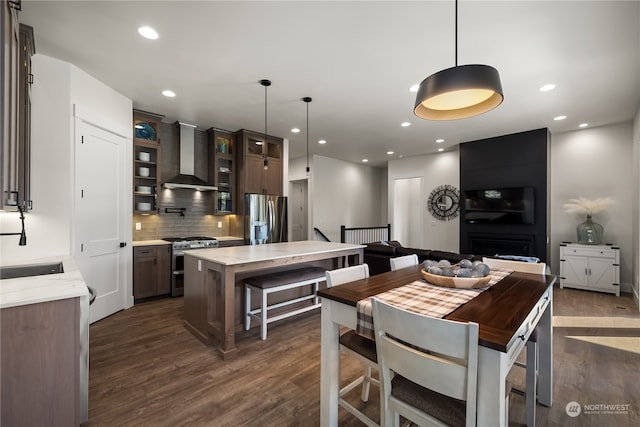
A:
(151, 271)
(39, 359)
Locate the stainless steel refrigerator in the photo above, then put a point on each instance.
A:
(265, 219)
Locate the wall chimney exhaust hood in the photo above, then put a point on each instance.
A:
(186, 178)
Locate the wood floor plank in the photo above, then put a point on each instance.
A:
(146, 369)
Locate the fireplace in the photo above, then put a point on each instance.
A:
(484, 244)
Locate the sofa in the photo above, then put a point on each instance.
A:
(377, 255)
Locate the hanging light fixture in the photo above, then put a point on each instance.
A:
(307, 100)
(265, 148)
(459, 92)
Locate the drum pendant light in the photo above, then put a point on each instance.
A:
(265, 148)
(458, 92)
(307, 100)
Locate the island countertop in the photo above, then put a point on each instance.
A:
(211, 309)
(48, 287)
(235, 255)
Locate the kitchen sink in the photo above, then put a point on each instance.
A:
(15, 271)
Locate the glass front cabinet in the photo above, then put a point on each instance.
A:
(222, 145)
(146, 162)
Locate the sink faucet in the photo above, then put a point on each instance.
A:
(22, 234)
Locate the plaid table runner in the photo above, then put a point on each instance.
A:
(423, 298)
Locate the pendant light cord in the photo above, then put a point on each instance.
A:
(456, 38)
(265, 147)
(307, 100)
(307, 136)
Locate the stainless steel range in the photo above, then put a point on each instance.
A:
(178, 247)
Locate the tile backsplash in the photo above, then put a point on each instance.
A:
(197, 219)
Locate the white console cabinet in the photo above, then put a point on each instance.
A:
(590, 267)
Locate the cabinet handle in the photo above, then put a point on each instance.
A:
(123, 244)
(30, 78)
(521, 337)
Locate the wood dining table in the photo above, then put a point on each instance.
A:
(507, 313)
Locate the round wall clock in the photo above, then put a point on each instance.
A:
(444, 202)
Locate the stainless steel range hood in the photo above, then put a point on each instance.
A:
(186, 178)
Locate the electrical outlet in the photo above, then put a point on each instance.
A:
(219, 224)
(138, 226)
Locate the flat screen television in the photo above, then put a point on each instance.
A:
(499, 206)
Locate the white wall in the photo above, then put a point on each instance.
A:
(341, 193)
(58, 86)
(435, 169)
(593, 163)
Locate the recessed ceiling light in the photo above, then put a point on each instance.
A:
(295, 130)
(169, 93)
(414, 88)
(440, 150)
(365, 160)
(389, 152)
(559, 118)
(547, 87)
(148, 33)
(440, 140)
(322, 141)
(405, 124)
(583, 125)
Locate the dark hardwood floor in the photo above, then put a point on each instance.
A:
(146, 369)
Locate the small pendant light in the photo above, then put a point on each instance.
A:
(307, 100)
(265, 148)
(459, 92)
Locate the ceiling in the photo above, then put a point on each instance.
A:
(357, 61)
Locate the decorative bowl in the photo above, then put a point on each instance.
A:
(144, 156)
(143, 171)
(456, 282)
(144, 130)
(143, 206)
(144, 189)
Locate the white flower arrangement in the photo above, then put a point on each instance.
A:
(583, 205)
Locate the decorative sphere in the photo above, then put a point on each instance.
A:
(429, 263)
(444, 263)
(476, 274)
(435, 270)
(464, 272)
(448, 272)
(465, 263)
(482, 268)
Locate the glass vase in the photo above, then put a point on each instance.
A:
(589, 232)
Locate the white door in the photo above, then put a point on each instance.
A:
(299, 211)
(407, 214)
(99, 223)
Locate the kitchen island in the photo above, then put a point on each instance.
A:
(211, 276)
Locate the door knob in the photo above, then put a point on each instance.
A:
(123, 244)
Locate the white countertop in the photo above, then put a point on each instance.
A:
(149, 243)
(253, 253)
(48, 287)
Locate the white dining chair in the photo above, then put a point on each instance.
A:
(403, 261)
(429, 372)
(351, 343)
(531, 364)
